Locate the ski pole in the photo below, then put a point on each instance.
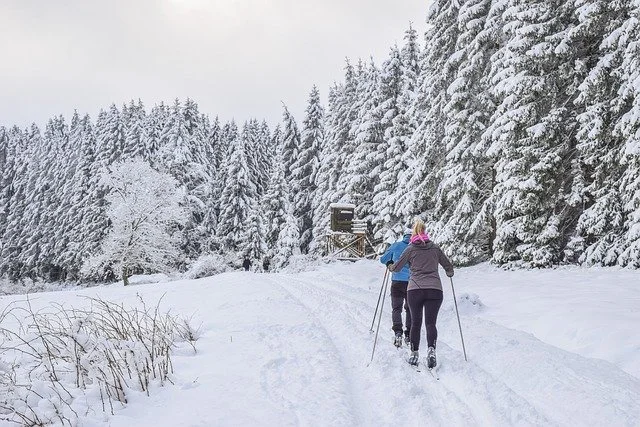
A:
(386, 271)
(458, 315)
(375, 341)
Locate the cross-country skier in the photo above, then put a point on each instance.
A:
(399, 282)
(425, 289)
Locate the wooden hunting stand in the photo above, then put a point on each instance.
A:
(349, 237)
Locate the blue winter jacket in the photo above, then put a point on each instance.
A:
(393, 254)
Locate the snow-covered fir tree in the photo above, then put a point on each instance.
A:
(290, 141)
(275, 203)
(425, 149)
(305, 168)
(528, 136)
(395, 128)
(366, 162)
(236, 198)
(460, 226)
(288, 243)
(629, 128)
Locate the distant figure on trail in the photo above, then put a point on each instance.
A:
(424, 292)
(399, 283)
(246, 264)
(265, 264)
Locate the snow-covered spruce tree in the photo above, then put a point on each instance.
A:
(56, 167)
(38, 161)
(365, 163)
(222, 153)
(110, 134)
(288, 239)
(235, 199)
(255, 148)
(213, 143)
(255, 247)
(460, 226)
(598, 169)
(392, 149)
(88, 206)
(214, 153)
(629, 128)
(7, 159)
(305, 167)
(404, 125)
(348, 151)
(263, 151)
(530, 135)
(68, 211)
(426, 150)
(15, 202)
(152, 134)
(134, 134)
(340, 118)
(275, 204)
(145, 210)
(325, 180)
(290, 141)
(182, 154)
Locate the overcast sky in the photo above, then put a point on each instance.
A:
(236, 58)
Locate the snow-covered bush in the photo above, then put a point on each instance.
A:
(58, 363)
(28, 286)
(208, 265)
(144, 279)
(301, 263)
(468, 303)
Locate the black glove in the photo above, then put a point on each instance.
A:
(389, 263)
(450, 273)
(390, 266)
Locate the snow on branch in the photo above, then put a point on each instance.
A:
(58, 364)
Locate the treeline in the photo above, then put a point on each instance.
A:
(513, 130)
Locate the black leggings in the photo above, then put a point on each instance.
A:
(430, 301)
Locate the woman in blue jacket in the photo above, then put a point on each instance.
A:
(399, 282)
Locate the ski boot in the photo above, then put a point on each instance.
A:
(407, 340)
(397, 341)
(431, 358)
(414, 358)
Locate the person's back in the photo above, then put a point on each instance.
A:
(423, 257)
(393, 253)
(246, 264)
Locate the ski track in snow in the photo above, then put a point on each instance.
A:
(309, 368)
(512, 378)
(429, 400)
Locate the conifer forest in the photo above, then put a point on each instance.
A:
(511, 127)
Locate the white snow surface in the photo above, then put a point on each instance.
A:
(545, 347)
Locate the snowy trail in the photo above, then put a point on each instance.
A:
(470, 401)
(294, 350)
(513, 378)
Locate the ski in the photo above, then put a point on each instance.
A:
(434, 373)
(415, 367)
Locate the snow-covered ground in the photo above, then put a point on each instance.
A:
(548, 347)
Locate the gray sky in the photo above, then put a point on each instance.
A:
(235, 58)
